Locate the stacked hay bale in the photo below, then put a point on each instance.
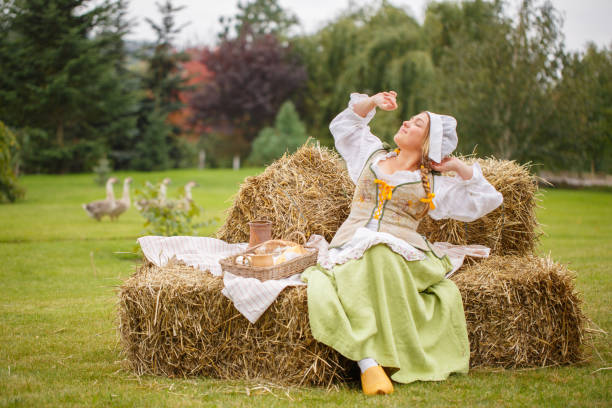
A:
(310, 191)
(174, 321)
(521, 311)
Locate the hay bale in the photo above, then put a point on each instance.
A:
(308, 191)
(512, 228)
(174, 321)
(521, 312)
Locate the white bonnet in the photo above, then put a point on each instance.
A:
(442, 136)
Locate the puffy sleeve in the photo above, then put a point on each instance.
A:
(353, 138)
(464, 200)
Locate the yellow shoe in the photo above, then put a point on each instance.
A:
(375, 381)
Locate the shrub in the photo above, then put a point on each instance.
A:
(288, 134)
(40, 154)
(168, 217)
(102, 170)
(9, 190)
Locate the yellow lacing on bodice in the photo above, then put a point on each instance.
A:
(430, 196)
(385, 192)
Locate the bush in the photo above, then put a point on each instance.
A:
(168, 217)
(102, 170)
(40, 153)
(9, 190)
(152, 152)
(183, 153)
(288, 134)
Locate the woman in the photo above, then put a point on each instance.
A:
(385, 301)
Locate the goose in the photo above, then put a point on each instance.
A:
(160, 200)
(163, 190)
(100, 208)
(186, 202)
(123, 204)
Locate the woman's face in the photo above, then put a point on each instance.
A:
(412, 133)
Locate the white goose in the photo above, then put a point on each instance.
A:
(163, 191)
(100, 208)
(123, 204)
(186, 202)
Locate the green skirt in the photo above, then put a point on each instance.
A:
(404, 314)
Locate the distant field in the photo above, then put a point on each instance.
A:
(60, 270)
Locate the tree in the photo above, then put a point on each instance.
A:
(258, 17)
(250, 80)
(582, 131)
(163, 82)
(496, 76)
(365, 50)
(287, 135)
(60, 81)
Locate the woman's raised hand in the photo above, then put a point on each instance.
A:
(386, 100)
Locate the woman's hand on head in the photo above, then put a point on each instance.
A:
(447, 164)
(386, 100)
(453, 164)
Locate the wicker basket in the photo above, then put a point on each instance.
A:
(264, 273)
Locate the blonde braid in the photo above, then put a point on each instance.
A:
(425, 169)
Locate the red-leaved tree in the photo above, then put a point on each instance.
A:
(251, 76)
(196, 75)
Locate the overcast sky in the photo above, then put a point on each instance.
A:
(584, 20)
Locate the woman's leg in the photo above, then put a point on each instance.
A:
(374, 380)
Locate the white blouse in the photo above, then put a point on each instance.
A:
(463, 200)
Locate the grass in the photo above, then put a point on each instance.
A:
(60, 269)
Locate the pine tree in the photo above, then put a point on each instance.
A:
(259, 17)
(152, 149)
(164, 82)
(59, 75)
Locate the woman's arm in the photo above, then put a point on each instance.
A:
(464, 170)
(384, 100)
(466, 197)
(351, 132)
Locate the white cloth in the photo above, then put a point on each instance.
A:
(366, 238)
(457, 253)
(200, 252)
(250, 296)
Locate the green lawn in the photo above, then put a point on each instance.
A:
(60, 270)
